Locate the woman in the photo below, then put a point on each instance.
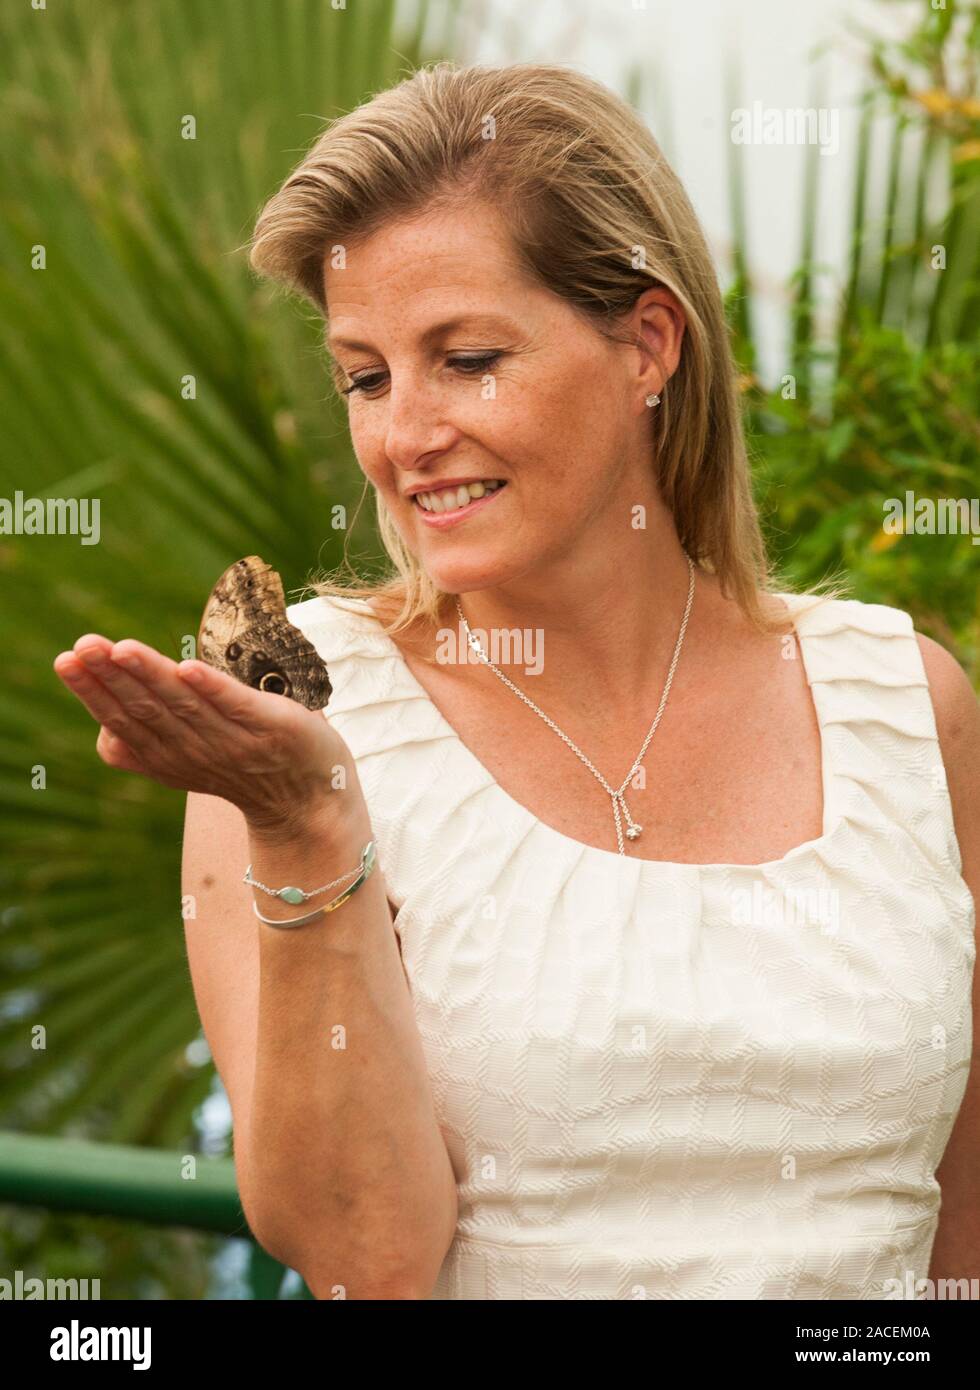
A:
(701, 1031)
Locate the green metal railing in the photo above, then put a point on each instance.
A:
(139, 1184)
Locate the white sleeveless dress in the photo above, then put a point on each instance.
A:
(688, 1081)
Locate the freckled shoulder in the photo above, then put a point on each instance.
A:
(955, 703)
(957, 712)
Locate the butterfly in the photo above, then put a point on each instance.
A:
(245, 632)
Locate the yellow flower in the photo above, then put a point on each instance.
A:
(884, 540)
(937, 102)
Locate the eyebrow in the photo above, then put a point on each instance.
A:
(434, 331)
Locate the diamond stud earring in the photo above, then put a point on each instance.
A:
(653, 400)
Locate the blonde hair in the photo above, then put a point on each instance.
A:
(597, 216)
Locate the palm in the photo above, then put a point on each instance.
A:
(144, 300)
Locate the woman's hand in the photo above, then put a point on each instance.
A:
(190, 726)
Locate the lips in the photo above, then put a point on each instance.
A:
(453, 485)
(440, 520)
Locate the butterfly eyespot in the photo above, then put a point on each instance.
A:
(275, 683)
(233, 651)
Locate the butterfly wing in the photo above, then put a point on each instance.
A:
(245, 633)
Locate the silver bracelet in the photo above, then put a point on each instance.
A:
(289, 894)
(368, 859)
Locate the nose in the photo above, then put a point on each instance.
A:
(417, 425)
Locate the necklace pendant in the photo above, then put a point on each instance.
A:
(633, 833)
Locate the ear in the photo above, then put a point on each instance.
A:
(657, 322)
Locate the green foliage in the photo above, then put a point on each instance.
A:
(146, 284)
(130, 1261)
(901, 418)
(886, 401)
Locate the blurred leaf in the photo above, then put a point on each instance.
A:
(150, 374)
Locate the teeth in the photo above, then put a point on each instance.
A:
(450, 499)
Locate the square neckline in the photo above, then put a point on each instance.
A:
(831, 818)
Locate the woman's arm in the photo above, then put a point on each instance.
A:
(956, 1249)
(342, 1169)
(344, 1172)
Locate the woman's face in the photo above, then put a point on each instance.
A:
(464, 369)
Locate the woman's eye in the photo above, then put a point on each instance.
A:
(364, 383)
(469, 366)
(475, 366)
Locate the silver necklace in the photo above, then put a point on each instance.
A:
(633, 831)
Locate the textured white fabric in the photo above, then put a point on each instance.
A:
(662, 1080)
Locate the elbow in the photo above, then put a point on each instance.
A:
(361, 1267)
(374, 1270)
(333, 1275)
(380, 1287)
(362, 1247)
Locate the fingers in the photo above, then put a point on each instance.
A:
(253, 710)
(99, 702)
(112, 749)
(135, 696)
(115, 753)
(128, 707)
(133, 663)
(146, 699)
(148, 685)
(190, 690)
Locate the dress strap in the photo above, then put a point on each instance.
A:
(880, 739)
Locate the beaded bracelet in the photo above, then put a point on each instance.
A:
(368, 858)
(289, 894)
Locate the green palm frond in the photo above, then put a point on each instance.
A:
(885, 399)
(145, 285)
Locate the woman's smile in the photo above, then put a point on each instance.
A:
(457, 511)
